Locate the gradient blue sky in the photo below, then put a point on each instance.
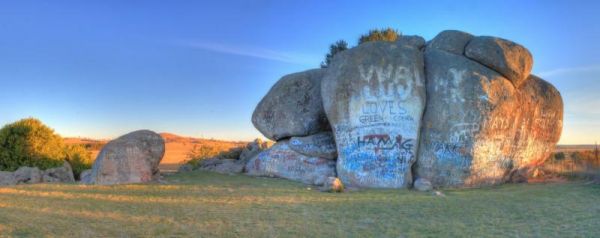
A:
(103, 68)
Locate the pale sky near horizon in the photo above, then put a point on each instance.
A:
(100, 69)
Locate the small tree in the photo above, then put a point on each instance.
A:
(388, 34)
(335, 48)
(559, 156)
(597, 154)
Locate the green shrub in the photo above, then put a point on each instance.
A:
(79, 158)
(388, 34)
(233, 153)
(335, 48)
(28, 142)
(202, 152)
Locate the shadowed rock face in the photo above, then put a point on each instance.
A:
(283, 162)
(374, 96)
(293, 107)
(479, 127)
(132, 158)
(317, 145)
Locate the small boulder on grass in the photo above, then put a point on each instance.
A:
(131, 158)
(86, 176)
(333, 184)
(28, 175)
(185, 168)
(423, 185)
(63, 174)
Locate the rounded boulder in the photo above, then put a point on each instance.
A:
(131, 158)
(293, 107)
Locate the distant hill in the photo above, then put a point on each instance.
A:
(176, 151)
(572, 148)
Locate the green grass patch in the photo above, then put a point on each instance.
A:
(201, 204)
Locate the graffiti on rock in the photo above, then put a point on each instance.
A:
(377, 111)
(377, 139)
(384, 142)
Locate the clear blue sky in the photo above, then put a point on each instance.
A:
(103, 68)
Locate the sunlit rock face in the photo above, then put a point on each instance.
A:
(132, 158)
(374, 96)
(539, 123)
(478, 128)
(508, 58)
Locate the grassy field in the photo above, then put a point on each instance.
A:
(206, 204)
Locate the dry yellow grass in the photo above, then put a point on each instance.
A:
(177, 148)
(201, 204)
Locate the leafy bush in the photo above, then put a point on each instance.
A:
(203, 152)
(388, 34)
(233, 153)
(199, 153)
(79, 158)
(28, 142)
(335, 48)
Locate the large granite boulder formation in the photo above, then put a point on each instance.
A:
(283, 162)
(293, 107)
(131, 158)
(374, 96)
(459, 111)
(477, 129)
